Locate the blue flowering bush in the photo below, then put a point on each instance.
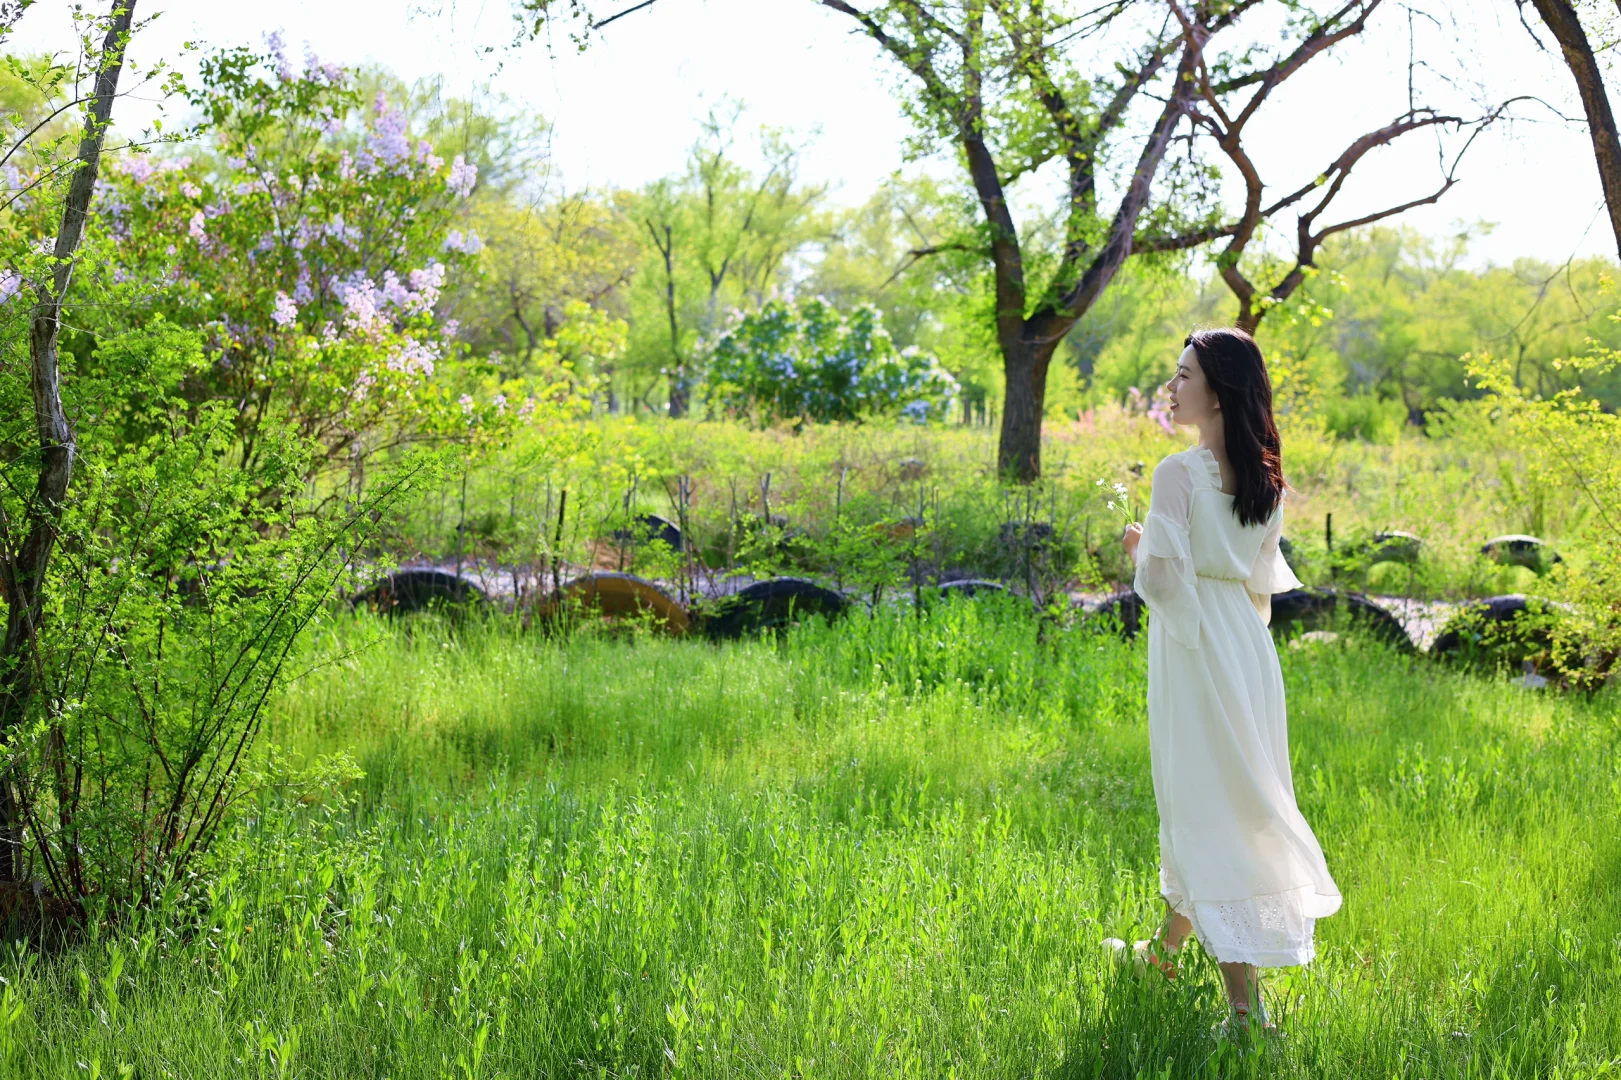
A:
(808, 361)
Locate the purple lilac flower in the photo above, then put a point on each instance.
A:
(278, 52)
(468, 244)
(197, 230)
(388, 141)
(414, 358)
(1160, 410)
(137, 167)
(466, 402)
(190, 190)
(359, 304)
(394, 291)
(425, 284)
(463, 176)
(11, 284)
(286, 313)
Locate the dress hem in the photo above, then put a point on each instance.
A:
(1290, 945)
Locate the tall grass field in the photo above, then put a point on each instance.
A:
(887, 847)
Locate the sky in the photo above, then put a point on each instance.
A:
(625, 111)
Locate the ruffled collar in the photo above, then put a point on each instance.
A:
(1212, 470)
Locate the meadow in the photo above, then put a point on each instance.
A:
(890, 846)
(502, 516)
(249, 826)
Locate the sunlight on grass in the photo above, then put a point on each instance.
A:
(891, 846)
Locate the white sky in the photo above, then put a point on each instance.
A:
(626, 111)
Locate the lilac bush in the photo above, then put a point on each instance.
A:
(310, 251)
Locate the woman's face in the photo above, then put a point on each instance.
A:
(1193, 402)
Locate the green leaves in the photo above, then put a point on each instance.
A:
(810, 361)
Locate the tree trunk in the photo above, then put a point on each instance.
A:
(1024, 369)
(679, 391)
(1560, 17)
(25, 569)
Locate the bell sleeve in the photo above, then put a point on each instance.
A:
(1272, 573)
(1165, 577)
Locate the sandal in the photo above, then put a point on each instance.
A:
(1154, 953)
(1239, 1021)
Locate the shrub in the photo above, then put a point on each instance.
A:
(807, 361)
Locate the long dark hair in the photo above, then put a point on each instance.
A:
(1236, 371)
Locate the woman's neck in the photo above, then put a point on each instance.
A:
(1213, 437)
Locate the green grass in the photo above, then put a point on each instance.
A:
(1455, 489)
(889, 847)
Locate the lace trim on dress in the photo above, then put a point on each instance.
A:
(1267, 931)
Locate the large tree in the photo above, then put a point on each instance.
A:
(1001, 82)
(1013, 86)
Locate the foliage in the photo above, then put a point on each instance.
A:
(809, 361)
(548, 262)
(1391, 311)
(1570, 442)
(209, 381)
(716, 237)
(182, 581)
(309, 254)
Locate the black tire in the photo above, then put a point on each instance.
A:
(1395, 546)
(971, 588)
(1500, 631)
(406, 592)
(1124, 611)
(1517, 549)
(771, 605)
(651, 527)
(1301, 610)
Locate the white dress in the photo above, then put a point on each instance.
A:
(1236, 857)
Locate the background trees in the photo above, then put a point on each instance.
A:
(715, 237)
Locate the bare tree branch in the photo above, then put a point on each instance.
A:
(620, 15)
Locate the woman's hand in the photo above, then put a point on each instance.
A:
(1133, 534)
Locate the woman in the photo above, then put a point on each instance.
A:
(1239, 866)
